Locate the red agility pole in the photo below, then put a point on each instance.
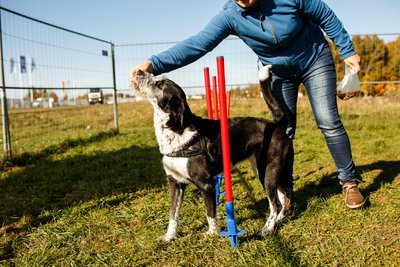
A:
(215, 94)
(232, 231)
(224, 129)
(208, 93)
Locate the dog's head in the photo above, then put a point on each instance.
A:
(167, 96)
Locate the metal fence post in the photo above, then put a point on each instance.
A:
(4, 109)
(114, 87)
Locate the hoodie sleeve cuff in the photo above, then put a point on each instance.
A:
(156, 65)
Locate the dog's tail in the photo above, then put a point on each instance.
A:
(278, 114)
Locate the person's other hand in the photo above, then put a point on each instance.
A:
(144, 66)
(353, 62)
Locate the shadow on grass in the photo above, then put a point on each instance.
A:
(326, 187)
(51, 185)
(329, 184)
(282, 251)
(29, 158)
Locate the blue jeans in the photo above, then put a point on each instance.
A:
(320, 83)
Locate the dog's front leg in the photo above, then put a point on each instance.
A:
(211, 210)
(177, 191)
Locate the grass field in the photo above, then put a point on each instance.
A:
(32, 130)
(103, 200)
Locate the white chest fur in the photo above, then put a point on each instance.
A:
(177, 168)
(169, 141)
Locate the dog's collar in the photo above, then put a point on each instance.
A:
(196, 146)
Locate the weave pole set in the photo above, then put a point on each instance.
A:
(232, 231)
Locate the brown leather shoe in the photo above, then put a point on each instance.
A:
(353, 197)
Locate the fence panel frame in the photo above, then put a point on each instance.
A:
(4, 109)
(3, 92)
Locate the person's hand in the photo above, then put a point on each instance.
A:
(144, 66)
(353, 62)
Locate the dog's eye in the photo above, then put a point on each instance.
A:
(160, 84)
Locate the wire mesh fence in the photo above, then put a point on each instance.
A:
(41, 57)
(241, 64)
(48, 72)
(380, 65)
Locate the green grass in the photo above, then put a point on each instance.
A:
(101, 199)
(33, 129)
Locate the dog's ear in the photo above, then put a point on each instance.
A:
(160, 84)
(177, 114)
(176, 108)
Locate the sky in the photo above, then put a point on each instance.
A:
(134, 21)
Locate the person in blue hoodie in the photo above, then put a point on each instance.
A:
(289, 35)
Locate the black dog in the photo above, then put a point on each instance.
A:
(192, 148)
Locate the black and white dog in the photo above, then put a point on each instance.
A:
(192, 148)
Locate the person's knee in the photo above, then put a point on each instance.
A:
(331, 127)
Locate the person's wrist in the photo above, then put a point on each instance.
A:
(353, 62)
(147, 66)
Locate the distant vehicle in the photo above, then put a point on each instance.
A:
(41, 102)
(95, 95)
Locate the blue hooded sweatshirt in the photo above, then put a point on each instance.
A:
(284, 33)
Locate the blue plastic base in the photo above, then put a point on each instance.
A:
(232, 231)
(218, 192)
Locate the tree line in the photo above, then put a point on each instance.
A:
(380, 62)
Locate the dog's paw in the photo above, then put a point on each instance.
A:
(263, 73)
(264, 232)
(212, 232)
(213, 228)
(167, 238)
